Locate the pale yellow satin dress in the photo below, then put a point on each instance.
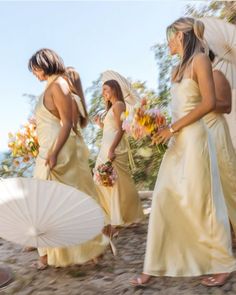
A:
(226, 157)
(121, 202)
(71, 169)
(188, 232)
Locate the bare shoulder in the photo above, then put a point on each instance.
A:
(201, 59)
(202, 66)
(60, 85)
(119, 106)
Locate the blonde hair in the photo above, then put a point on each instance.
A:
(73, 79)
(193, 42)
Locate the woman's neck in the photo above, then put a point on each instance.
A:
(113, 100)
(51, 79)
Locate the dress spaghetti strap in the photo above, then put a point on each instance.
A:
(191, 73)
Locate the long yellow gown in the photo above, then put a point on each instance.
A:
(120, 202)
(189, 232)
(71, 169)
(226, 157)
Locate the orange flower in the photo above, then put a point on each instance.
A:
(16, 162)
(24, 144)
(26, 159)
(160, 120)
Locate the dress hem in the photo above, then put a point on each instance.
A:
(189, 275)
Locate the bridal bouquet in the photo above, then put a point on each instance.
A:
(24, 143)
(143, 120)
(105, 174)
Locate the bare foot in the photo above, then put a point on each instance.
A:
(110, 231)
(215, 280)
(140, 281)
(41, 264)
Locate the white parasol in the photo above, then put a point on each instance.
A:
(221, 38)
(41, 213)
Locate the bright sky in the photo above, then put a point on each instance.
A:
(91, 36)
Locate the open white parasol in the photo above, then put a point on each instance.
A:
(41, 213)
(221, 38)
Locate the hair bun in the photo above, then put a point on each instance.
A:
(198, 29)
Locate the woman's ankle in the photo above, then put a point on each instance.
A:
(43, 259)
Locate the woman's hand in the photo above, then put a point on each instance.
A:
(162, 136)
(111, 155)
(51, 160)
(97, 119)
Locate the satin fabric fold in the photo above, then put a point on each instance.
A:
(121, 202)
(188, 232)
(226, 158)
(71, 169)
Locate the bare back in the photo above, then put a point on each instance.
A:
(56, 97)
(223, 91)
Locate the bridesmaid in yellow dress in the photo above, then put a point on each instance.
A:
(63, 155)
(121, 202)
(219, 131)
(188, 232)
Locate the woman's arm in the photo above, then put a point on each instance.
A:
(203, 72)
(63, 104)
(223, 93)
(97, 119)
(118, 109)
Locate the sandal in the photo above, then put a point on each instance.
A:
(217, 280)
(39, 265)
(140, 282)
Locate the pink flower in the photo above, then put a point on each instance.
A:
(105, 174)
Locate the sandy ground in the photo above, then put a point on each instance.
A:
(110, 276)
